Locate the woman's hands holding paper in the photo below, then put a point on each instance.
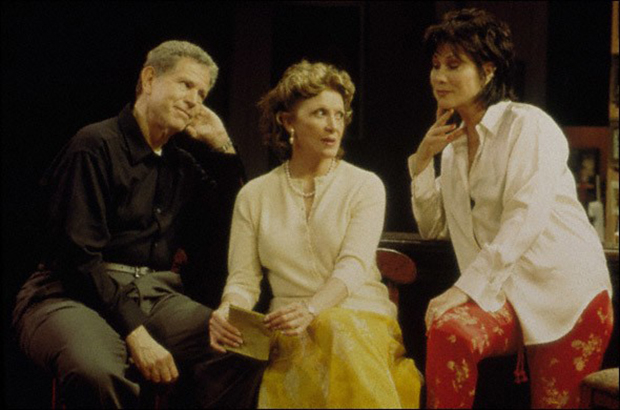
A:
(221, 332)
(291, 319)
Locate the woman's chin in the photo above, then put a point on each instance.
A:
(445, 105)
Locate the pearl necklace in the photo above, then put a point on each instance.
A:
(295, 189)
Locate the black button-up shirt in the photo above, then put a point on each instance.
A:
(112, 199)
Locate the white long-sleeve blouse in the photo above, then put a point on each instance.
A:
(339, 239)
(518, 230)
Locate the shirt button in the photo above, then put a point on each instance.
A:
(158, 210)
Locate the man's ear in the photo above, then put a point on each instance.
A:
(147, 76)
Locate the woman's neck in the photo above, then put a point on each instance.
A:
(471, 114)
(309, 168)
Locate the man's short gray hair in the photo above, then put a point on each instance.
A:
(165, 56)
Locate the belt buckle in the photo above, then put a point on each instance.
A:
(140, 271)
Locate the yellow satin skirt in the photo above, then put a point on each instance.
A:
(346, 359)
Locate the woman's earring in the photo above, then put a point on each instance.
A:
(291, 140)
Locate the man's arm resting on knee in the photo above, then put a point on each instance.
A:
(152, 359)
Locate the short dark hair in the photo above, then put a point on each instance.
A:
(484, 38)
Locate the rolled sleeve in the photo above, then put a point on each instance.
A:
(483, 288)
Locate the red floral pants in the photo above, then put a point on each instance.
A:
(465, 335)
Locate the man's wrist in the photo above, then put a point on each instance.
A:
(138, 332)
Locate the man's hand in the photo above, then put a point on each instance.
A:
(154, 362)
(206, 126)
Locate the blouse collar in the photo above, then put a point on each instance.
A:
(491, 120)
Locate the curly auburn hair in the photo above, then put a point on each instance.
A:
(302, 80)
(484, 39)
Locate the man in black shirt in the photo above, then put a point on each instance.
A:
(125, 197)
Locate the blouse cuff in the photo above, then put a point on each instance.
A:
(489, 296)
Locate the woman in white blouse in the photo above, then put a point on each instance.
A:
(532, 269)
(313, 225)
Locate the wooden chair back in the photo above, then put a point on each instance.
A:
(396, 269)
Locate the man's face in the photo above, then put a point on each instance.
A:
(175, 96)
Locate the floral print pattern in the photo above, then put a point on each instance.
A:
(465, 335)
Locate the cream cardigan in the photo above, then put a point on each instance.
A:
(527, 238)
(339, 239)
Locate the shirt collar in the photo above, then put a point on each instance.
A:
(139, 149)
(492, 118)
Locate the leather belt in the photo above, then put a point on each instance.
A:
(136, 271)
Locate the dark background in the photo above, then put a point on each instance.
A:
(67, 64)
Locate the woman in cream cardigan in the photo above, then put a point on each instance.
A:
(313, 225)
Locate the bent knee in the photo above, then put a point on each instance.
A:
(332, 323)
(94, 368)
(333, 315)
(454, 335)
